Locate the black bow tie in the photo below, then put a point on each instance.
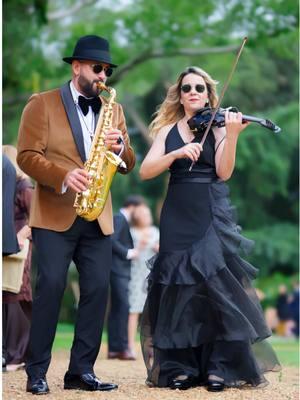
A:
(84, 104)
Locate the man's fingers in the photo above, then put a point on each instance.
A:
(78, 181)
(116, 147)
(81, 178)
(112, 140)
(113, 132)
(82, 172)
(77, 186)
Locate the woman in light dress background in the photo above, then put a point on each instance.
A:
(146, 239)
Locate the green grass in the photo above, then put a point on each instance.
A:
(64, 337)
(287, 349)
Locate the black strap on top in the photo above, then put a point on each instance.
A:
(218, 145)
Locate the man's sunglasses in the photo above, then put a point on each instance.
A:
(187, 88)
(97, 68)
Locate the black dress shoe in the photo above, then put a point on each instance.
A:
(86, 382)
(184, 384)
(37, 386)
(215, 386)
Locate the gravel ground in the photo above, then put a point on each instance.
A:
(130, 375)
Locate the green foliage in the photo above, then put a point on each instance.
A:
(264, 186)
(265, 168)
(23, 22)
(276, 248)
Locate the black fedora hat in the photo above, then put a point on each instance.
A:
(91, 47)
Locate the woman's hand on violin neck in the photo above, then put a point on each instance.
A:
(233, 123)
(190, 150)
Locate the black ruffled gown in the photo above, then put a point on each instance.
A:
(202, 317)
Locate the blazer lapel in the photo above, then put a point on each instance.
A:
(73, 118)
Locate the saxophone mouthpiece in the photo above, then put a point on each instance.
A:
(101, 86)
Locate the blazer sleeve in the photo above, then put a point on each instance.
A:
(117, 246)
(32, 146)
(128, 156)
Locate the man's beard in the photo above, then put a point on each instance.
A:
(88, 88)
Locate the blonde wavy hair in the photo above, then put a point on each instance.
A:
(171, 110)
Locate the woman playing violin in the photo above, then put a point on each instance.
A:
(202, 323)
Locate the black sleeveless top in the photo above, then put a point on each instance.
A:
(203, 170)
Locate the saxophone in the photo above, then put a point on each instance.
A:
(101, 165)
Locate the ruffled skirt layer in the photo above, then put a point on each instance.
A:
(202, 316)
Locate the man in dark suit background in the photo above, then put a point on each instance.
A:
(123, 253)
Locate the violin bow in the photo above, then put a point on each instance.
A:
(225, 87)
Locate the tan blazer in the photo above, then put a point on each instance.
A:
(50, 144)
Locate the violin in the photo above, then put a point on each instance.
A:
(199, 122)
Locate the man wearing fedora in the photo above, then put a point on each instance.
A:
(55, 135)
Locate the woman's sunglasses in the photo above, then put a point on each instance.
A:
(187, 88)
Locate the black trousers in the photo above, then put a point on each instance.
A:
(118, 315)
(91, 251)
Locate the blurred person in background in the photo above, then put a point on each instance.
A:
(18, 307)
(9, 182)
(124, 252)
(55, 137)
(285, 324)
(202, 322)
(146, 240)
(294, 308)
(9, 235)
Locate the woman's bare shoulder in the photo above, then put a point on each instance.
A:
(163, 132)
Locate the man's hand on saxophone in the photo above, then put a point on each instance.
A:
(77, 180)
(113, 140)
